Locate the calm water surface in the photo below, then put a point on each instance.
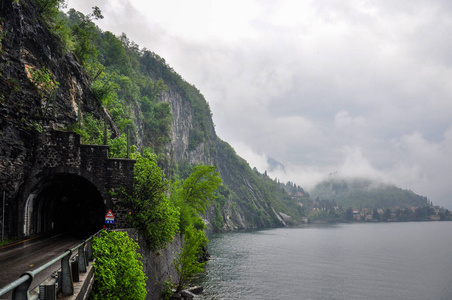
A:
(345, 261)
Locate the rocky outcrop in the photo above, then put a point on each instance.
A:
(240, 213)
(157, 265)
(183, 119)
(26, 110)
(28, 46)
(236, 213)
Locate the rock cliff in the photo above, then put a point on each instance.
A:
(28, 107)
(27, 47)
(248, 206)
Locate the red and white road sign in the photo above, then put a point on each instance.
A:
(109, 217)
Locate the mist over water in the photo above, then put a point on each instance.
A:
(344, 261)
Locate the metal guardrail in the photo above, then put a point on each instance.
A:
(66, 277)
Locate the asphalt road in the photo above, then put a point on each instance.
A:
(27, 255)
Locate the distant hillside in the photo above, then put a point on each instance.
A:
(365, 193)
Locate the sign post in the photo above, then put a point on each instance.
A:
(109, 217)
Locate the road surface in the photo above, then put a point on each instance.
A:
(27, 255)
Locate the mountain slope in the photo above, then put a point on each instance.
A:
(365, 193)
(59, 69)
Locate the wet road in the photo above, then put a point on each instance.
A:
(30, 254)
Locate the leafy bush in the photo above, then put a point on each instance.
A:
(118, 270)
(167, 289)
(92, 130)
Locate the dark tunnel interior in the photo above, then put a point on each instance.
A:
(65, 203)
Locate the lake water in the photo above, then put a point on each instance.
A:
(343, 261)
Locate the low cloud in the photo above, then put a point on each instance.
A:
(426, 167)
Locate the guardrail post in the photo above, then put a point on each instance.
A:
(75, 272)
(82, 259)
(47, 292)
(67, 285)
(21, 292)
(89, 250)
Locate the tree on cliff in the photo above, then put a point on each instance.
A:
(49, 8)
(193, 195)
(152, 212)
(187, 261)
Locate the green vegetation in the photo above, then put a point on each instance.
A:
(118, 269)
(45, 85)
(119, 78)
(152, 212)
(6, 241)
(155, 66)
(167, 289)
(363, 200)
(187, 261)
(91, 130)
(49, 9)
(128, 83)
(193, 195)
(254, 192)
(50, 13)
(160, 217)
(94, 131)
(83, 31)
(3, 34)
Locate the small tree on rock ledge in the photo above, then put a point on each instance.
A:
(187, 261)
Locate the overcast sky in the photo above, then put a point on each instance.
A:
(362, 88)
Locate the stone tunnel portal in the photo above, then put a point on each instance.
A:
(63, 203)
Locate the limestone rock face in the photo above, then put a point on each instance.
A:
(214, 151)
(27, 46)
(183, 123)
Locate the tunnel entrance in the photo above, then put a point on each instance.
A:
(63, 203)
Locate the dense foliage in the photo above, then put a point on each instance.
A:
(120, 78)
(152, 211)
(193, 195)
(118, 269)
(160, 218)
